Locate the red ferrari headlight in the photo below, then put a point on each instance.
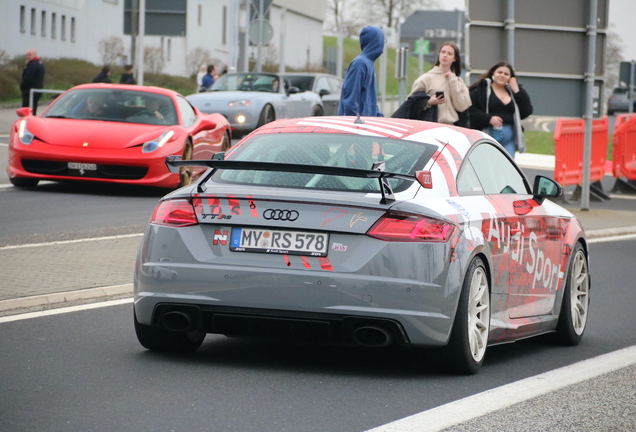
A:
(406, 227)
(24, 135)
(178, 213)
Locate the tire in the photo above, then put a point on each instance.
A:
(267, 116)
(185, 173)
(317, 111)
(24, 182)
(162, 340)
(576, 300)
(466, 349)
(226, 144)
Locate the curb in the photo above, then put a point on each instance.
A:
(65, 297)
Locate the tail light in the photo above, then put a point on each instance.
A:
(178, 213)
(406, 227)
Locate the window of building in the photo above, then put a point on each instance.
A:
(169, 49)
(22, 19)
(33, 17)
(53, 25)
(63, 28)
(224, 26)
(199, 15)
(43, 24)
(73, 29)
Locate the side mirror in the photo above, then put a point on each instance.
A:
(205, 124)
(293, 90)
(545, 187)
(324, 92)
(23, 112)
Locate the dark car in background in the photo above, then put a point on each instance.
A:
(618, 100)
(327, 86)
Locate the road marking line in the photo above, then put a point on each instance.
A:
(64, 310)
(612, 238)
(496, 399)
(116, 237)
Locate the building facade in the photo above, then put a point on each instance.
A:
(75, 28)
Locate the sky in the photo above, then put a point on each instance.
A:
(622, 14)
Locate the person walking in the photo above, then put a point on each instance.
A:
(446, 88)
(499, 104)
(127, 77)
(32, 78)
(104, 76)
(208, 79)
(359, 94)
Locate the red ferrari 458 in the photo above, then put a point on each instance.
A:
(113, 133)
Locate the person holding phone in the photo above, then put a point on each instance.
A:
(499, 104)
(448, 91)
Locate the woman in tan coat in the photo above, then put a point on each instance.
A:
(448, 91)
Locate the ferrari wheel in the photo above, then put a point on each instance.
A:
(317, 111)
(576, 300)
(469, 337)
(185, 173)
(226, 143)
(24, 181)
(162, 340)
(267, 116)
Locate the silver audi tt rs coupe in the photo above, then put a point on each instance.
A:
(362, 231)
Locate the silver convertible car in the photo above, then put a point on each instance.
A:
(250, 100)
(367, 231)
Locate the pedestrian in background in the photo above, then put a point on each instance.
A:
(202, 71)
(359, 94)
(208, 79)
(32, 78)
(499, 104)
(445, 87)
(127, 77)
(104, 76)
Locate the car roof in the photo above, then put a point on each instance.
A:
(148, 89)
(387, 127)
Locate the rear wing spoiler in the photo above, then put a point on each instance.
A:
(377, 171)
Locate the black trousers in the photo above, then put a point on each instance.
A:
(25, 100)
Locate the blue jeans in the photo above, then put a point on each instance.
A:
(508, 140)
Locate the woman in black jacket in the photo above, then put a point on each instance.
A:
(499, 105)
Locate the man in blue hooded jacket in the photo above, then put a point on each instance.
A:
(359, 94)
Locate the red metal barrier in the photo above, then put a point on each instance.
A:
(622, 118)
(569, 138)
(624, 151)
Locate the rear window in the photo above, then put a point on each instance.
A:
(349, 151)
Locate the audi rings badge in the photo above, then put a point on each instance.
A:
(280, 215)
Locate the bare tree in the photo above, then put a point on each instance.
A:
(197, 57)
(613, 57)
(111, 49)
(154, 61)
(343, 15)
(394, 11)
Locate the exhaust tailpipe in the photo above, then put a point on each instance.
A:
(177, 321)
(371, 336)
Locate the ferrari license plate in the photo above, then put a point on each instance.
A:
(82, 166)
(279, 242)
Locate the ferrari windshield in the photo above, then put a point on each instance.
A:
(247, 82)
(333, 150)
(116, 105)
